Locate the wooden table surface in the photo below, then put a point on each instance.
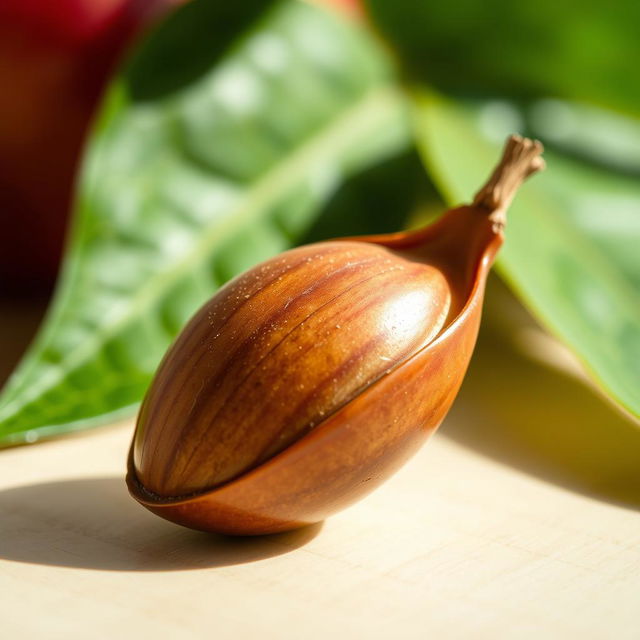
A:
(518, 520)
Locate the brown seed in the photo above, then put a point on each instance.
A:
(309, 379)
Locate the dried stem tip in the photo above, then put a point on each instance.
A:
(520, 158)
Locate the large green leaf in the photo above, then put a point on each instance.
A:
(577, 49)
(216, 148)
(572, 240)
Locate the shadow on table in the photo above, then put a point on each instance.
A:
(94, 524)
(524, 404)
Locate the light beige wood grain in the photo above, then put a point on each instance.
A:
(518, 520)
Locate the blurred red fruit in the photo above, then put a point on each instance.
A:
(54, 60)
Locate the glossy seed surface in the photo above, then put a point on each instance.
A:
(275, 353)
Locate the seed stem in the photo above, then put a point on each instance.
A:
(520, 159)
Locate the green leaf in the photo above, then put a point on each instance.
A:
(217, 147)
(583, 50)
(572, 241)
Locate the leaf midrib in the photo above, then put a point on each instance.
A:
(374, 107)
